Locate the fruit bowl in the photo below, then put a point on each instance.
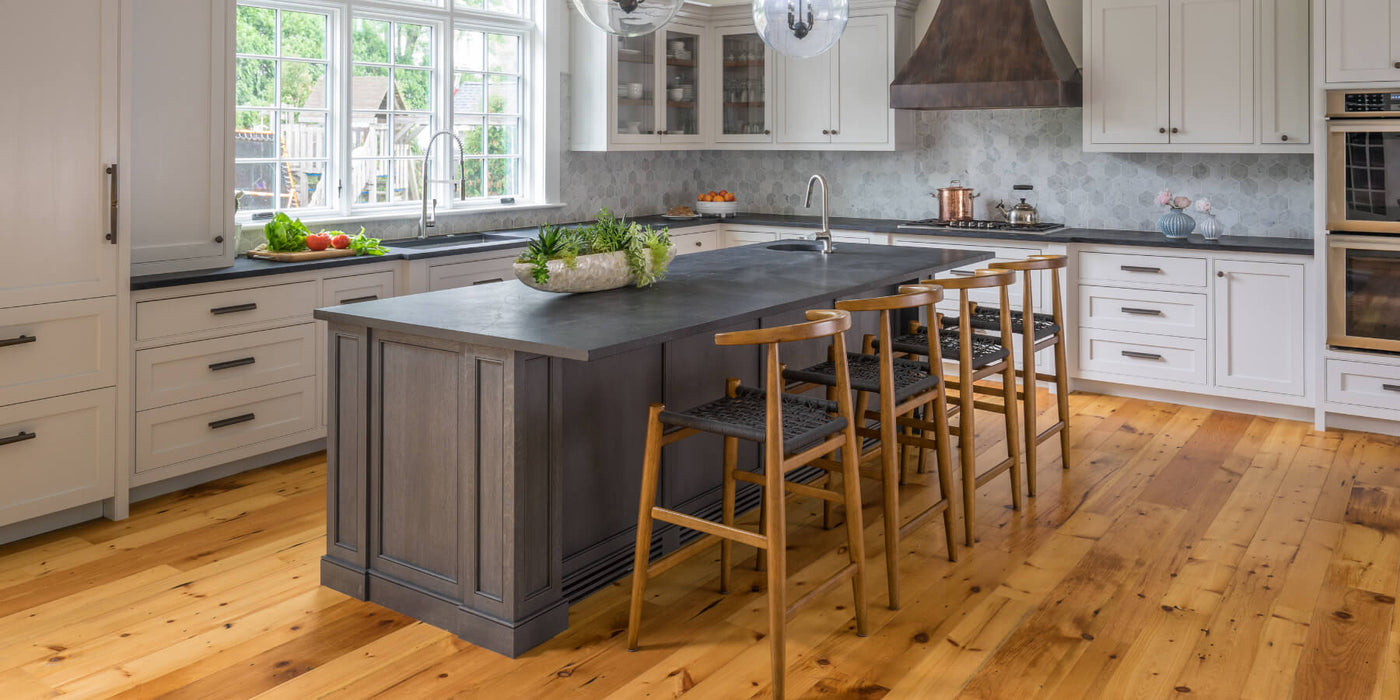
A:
(717, 208)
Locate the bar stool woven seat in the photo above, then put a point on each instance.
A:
(806, 420)
(985, 350)
(910, 377)
(988, 318)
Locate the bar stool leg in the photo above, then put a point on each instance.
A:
(832, 482)
(1029, 401)
(1062, 398)
(855, 526)
(759, 562)
(939, 408)
(726, 545)
(651, 467)
(891, 473)
(776, 555)
(967, 446)
(1013, 441)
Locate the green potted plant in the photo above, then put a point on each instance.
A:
(607, 254)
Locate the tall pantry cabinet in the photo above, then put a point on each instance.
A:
(64, 271)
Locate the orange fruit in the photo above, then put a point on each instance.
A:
(729, 197)
(701, 198)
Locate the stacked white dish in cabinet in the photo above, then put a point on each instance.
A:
(59, 291)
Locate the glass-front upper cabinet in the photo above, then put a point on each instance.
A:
(681, 107)
(635, 69)
(745, 76)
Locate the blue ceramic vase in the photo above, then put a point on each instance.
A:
(1176, 224)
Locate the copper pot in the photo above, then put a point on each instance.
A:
(955, 202)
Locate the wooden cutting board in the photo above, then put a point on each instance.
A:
(262, 253)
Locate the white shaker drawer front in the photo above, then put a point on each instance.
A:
(53, 349)
(190, 371)
(1143, 311)
(357, 288)
(1158, 270)
(1363, 384)
(860, 237)
(173, 434)
(696, 242)
(470, 274)
(164, 318)
(57, 453)
(1142, 355)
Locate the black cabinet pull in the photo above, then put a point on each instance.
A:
(963, 273)
(1139, 268)
(1141, 355)
(356, 300)
(490, 281)
(220, 311)
(1141, 312)
(230, 364)
(215, 425)
(1391, 387)
(21, 340)
(21, 437)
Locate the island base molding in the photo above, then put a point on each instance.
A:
(509, 638)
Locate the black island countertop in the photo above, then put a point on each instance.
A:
(701, 293)
(516, 238)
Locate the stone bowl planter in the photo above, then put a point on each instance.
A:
(591, 273)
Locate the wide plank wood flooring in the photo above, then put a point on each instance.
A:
(1186, 553)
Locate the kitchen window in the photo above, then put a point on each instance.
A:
(336, 103)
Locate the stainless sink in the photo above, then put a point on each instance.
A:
(457, 240)
(805, 247)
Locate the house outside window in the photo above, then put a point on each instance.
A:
(336, 103)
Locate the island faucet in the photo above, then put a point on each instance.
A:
(429, 219)
(823, 235)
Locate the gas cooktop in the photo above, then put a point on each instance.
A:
(934, 224)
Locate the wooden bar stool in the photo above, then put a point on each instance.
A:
(903, 386)
(1047, 331)
(978, 357)
(795, 431)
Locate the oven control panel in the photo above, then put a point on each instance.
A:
(1363, 103)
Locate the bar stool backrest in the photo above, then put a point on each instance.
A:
(981, 279)
(821, 323)
(1052, 263)
(910, 296)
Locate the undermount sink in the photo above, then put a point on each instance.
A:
(811, 247)
(451, 241)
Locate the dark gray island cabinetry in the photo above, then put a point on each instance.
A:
(484, 453)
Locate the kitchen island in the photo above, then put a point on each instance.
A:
(484, 447)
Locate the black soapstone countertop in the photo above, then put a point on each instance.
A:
(702, 293)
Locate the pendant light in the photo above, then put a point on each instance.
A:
(628, 17)
(801, 28)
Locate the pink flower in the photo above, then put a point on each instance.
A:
(1204, 205)
(1165, 198)
(1181, 202)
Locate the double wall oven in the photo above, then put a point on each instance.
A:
(1363, 219)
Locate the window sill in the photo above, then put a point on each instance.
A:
(407, 214)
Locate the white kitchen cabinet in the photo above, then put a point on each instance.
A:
(842, 96)
(805, 88)
(1197, 76)
(471, 273)
(1127, 85)
(743, 111)
(181, 173)
(1259, 326)
(1285, 73)
(57, 453)
(1212, 71)
(1363, 40)
(58, 211)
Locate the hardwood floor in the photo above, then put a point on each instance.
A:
(1185, 552)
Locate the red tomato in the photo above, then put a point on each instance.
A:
(341, 241)
(318, 241)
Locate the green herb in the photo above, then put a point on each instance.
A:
(364, 245)
(549, 245)
(285, 234)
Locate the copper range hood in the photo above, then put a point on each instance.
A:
(989, 54)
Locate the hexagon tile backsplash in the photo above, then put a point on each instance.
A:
(1258, 195)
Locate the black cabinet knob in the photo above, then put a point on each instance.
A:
(1162, 130)
(1175, 130)
(218, 239)
(767, 132)
(1283, 137)
(826, 131)
(1219, 273)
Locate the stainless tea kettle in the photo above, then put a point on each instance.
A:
(1022, 213)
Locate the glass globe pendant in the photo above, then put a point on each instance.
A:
(628, 17)
(801, 28)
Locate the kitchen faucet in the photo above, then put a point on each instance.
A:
(429, 219)
(823, 235)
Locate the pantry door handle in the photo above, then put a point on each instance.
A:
(1141, 312)
(357, 300)
(114, 205)
(220, 311)
(21, 340)
(230, 364)
(21, 437)
(215, 425)
(1391, 387)
(1141, 355)
(1139, 268)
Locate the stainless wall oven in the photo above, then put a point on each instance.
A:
(1363, 292)
(1363, 161)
